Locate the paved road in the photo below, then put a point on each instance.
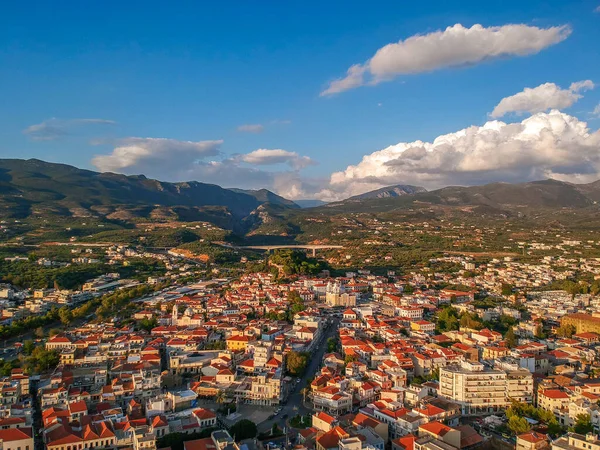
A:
(294, 404)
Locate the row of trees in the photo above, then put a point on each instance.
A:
(577, 287)
(518, 413)
(22, 326)
(34, 360)
(103, 307)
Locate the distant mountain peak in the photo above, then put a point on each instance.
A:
(397, 190)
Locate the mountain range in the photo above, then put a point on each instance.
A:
(503, 197)
(34, 188)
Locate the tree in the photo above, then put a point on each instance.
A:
(349, 358)
(510, 338)
(539, 331)
(7, 366)
(583, 424)
(566, 331)
(295, 301)
(220, 397)
(244, 429)
(554, 429)
(42, 360)
(331, 344)
(28, 347)
(304, 392)
(520, 410)
(507, 289)
(65, 315)
(447, 319)
(39, 332)
(148, 324)
(296, 362)
(518, 425)
(470, 321)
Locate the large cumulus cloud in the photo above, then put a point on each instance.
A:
(544, 145)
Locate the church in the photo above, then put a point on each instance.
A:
(187, 319)
(336, 295)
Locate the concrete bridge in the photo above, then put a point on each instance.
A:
(269, 248)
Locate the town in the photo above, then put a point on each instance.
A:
(458, 353)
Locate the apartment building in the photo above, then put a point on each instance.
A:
(481, 390)
(260, 390)
(583, 323)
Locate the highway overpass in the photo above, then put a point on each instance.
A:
(269, 248)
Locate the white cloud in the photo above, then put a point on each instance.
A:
(53, 129)
(596, 111)
(541, 98)
(454, 46)
(276, 156)
(259, 128)
(174, 160)
(353, 79)
(583, 85)
(229, 173)
(251, 128)
(154, 155)
(545, 145)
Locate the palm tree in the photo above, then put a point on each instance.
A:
(220, 397)
(304, 391)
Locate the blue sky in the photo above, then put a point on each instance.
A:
(196, 71)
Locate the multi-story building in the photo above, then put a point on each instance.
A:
(260, 390)
(480, 390)
(583, 323)
(332, 400)
(262, 354)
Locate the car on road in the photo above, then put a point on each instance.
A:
(271, 417)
